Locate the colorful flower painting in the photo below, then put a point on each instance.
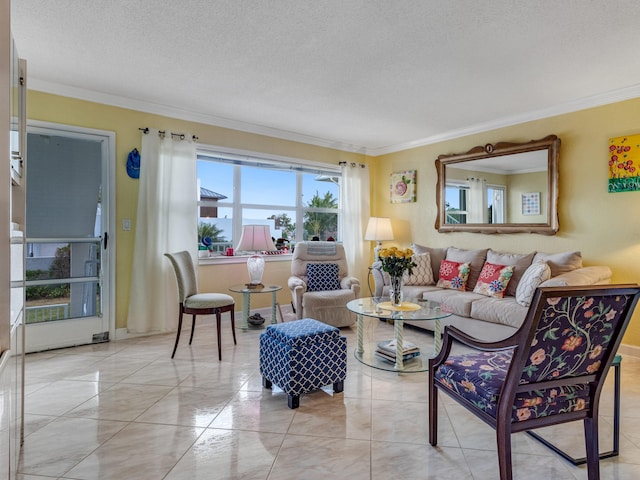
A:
(624, 163)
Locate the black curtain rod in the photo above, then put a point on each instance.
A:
(162, 134)
(352, 164)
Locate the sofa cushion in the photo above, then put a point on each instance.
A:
(505, 311)
(520, 261)
(453, 301)
(412, 293)
(422, 272)
(436, 254)
(493, 280)
(475, 259)
(532, 278)
(594, 275)
(453, 275)
(560, 262)
(322, 277)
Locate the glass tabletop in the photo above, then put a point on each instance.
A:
(380, 307)
(242, 288)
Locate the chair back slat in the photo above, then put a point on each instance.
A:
(573, 335)
(185, 274)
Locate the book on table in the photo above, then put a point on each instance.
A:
(387, 350)
(392, 358)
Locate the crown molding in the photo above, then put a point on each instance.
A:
(190, 116)
(613, 96)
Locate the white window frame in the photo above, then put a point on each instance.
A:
(257, 159)
(461, 185)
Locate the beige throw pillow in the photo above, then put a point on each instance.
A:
(537, 273)
(437, 255)
(560, 262)
(422, 273)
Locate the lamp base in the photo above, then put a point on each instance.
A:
(376, 250)
(255, 266)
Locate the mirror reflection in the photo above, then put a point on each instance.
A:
(502, 188)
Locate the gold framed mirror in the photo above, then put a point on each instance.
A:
(501, 188)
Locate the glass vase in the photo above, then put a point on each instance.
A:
(395, 291)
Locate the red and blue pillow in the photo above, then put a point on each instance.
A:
(493, 280)
(453, 275)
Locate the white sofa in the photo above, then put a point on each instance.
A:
(483, 316)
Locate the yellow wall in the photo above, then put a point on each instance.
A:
(603, 226)
(125, 124)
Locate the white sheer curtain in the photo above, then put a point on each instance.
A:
(354, 196)
(477, 200)
(167, 221)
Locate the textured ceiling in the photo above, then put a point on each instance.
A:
(371, 76)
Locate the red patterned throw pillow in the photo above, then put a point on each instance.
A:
(453, 275)
(493, 280)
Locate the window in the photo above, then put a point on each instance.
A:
(298, 200)
(456, 202)
(475, 202)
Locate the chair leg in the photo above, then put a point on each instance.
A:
(193, 328)
(233, 325)
(504, 453)
(433, 412)
(175, 347)
(591, 441)
(218, 320)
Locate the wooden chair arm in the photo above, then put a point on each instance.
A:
(469, 341)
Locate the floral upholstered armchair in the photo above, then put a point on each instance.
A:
(550, 371)
(320, 283)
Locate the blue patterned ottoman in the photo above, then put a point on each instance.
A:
(302, 356)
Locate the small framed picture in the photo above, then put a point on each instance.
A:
(403, 187)
(531, 203)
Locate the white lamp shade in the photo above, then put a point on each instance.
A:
(379, 229)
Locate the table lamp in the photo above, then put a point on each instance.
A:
(378, 229)
(255, 238)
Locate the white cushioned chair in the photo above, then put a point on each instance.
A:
(320, 283)
(195, 303)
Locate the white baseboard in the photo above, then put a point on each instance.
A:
(123, 334)
(629, 350)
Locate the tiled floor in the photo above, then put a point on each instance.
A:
(125, 410)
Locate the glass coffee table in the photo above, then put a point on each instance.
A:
(396, 354)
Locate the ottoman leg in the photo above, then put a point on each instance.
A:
(293, 401)
(338, 386)
(266, 383)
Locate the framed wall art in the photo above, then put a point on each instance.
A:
(624, 163)
(531, 203)
(403, 187)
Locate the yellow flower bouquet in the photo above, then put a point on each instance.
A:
(396, 263)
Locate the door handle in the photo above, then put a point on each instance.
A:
(105, 239)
